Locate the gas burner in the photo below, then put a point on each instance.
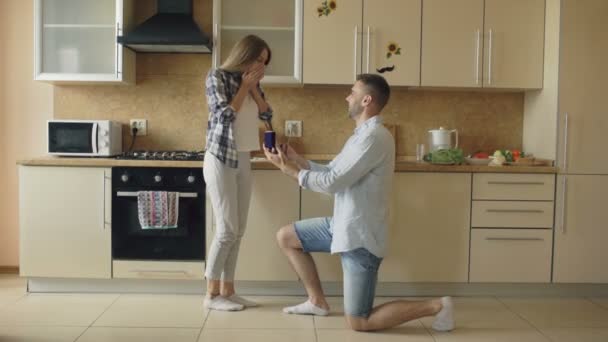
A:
(163, 155)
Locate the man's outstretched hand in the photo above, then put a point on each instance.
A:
(279, 158)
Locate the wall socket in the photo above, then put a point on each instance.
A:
(293, 128)
(141, 125)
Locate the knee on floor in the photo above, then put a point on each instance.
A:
(358, 323)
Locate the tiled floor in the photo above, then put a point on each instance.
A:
(177, 318)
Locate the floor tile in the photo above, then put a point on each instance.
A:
(401, 334)
(559, 312)
(269, 315)
(40, 334)
(603, 301)
(7, 298)
(490, 334)
(56, 309)
(483, 312)
(257, 335)
(576, 334)
(161, 311)
(99, 334)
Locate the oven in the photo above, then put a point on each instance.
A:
(184, 242)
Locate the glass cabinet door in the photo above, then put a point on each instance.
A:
(278, 22)
(76, 40)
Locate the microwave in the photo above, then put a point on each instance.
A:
(84, 138)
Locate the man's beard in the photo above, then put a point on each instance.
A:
(355, 110)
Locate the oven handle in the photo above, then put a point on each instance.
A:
(134, 194)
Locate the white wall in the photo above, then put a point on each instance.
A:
(25, 106)
(540, 107)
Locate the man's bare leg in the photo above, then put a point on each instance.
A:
(303, 264)
(394, 313)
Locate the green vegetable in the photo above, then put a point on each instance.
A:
(445, 156)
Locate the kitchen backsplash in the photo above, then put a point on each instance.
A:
(170, 94)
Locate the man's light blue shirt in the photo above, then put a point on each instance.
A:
(360, 177)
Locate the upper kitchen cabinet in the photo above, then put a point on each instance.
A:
(477, 43)
(344, 39)
(278, 22)
(514, 41)
(75, 41)
(451, 43)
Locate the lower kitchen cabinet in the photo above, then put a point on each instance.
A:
(581, 232)
(64, 217)
(275, 202)
(428, 239)
(511, 255)
(314, 204)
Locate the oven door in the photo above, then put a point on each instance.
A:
(131, 242)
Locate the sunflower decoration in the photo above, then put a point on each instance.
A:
(326, 8)
(392, 49)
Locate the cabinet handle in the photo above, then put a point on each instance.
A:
(174, 272)
(491, 32)
(134, 194)
(563, 219)
(103, 210)
(514, 183)
(565, 141)
(368, 40)
(117, 47)
(216, 49)
(535, 211)
(513, 239)
(355, 64)
(477, 56)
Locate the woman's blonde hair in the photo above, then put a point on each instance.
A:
(244, 52)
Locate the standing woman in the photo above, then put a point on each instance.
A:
(236, 105)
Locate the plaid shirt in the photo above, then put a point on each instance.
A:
(221, 87)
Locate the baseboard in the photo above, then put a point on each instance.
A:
(9, 269)
(292, 288)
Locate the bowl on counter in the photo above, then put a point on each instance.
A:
(477, 161)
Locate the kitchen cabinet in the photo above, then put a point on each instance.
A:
(278, 22)
(315, 204)
(64, 218)
(275, 202)
(428, 238)
(483, 43)
(362, 36)
(582, 98)
(75, 41)
(511, 227)
(580, 236)
(511, 255)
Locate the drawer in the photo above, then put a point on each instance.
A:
(505, 186)
(512, 214)
(511, 255)
(157, 269)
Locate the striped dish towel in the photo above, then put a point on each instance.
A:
(157, 209)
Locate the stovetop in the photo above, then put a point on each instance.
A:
(162, 155)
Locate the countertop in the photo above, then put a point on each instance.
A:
(403, 164)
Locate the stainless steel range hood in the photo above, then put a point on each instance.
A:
(171, 30)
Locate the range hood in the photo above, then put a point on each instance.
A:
(171, 30)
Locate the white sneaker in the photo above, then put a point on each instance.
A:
(221, 304)
(444, 320)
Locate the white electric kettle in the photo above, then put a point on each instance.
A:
(442, 139)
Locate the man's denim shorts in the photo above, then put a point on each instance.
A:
(359, 266)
